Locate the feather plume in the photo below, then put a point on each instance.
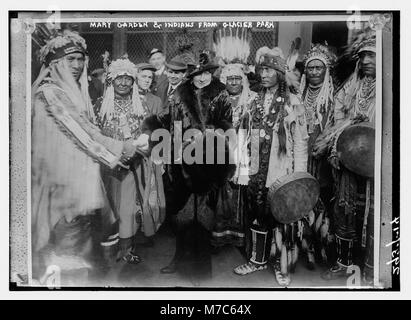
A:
(232, 45)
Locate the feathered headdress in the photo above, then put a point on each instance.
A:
(364, 42)
(326, 95)
(347, 62)
(237, 69)
(56, 44)
(63, 43)
(322, 53)
(232, 45)
(120, 67)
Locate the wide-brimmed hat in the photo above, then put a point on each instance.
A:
(177, 64)
(145, 66)
(204, 65)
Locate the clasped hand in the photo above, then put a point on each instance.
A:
(132, 147)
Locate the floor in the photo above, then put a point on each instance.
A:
(147, 273)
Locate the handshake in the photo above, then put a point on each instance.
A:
(132, 148)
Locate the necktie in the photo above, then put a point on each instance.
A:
(170, 91)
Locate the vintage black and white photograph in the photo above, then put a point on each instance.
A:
(220, 150)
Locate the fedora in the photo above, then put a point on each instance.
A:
(177, 64)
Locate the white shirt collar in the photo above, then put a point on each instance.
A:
(175, 86)
(160, 71)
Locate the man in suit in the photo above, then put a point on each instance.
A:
(176, 71)
(157, 59)
(145, 76)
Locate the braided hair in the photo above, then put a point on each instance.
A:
(279, 109)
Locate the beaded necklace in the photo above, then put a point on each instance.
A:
(268, 123)
(268, 119)
(122, 105)
(310, 104)
(236, 109)
(124, 124)
(365, 94)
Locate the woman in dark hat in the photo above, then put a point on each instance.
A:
(195, 106)
(200, 89)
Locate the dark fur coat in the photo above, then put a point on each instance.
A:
(207, 108)
(202, 109)
(198, 108)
